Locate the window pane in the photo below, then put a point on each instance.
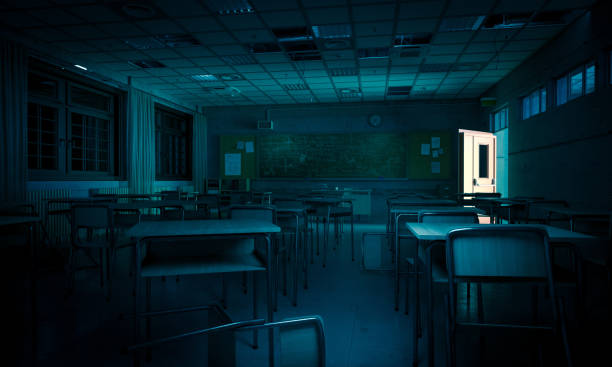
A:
(41, 86)
(535, 102)
(90, 143)
(90, 99)
(543, 100)
(172, 139)
(497, 121)
(483, 161)
(526, 109)
(42, 137)
(575, 85)
(561, 90)
(589, 83)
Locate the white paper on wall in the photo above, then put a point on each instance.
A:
(435, 142)
(240, 145)
(435, 167)
(233, 164)
(434, 153)
(249, 146)
(424, 149)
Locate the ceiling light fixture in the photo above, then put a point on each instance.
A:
(80, 67)
(204, 78)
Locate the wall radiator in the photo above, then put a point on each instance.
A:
(57, 226)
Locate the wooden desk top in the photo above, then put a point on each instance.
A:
(179, 228)
(430, 209)
(438, 231)
(12, 220)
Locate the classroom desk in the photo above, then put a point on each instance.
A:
(30, 222)
(416, 211)
(325, 203)
(574, 215)
(413, 201)
(295, 213)
(215, 228)
(496, 206)
(426, 233)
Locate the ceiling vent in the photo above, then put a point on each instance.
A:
(435, 68)
(264, 48)
(295, 86)
(304, 56)
(333, 31)
(349, 93)
(468, 23)
(204, 78)
(337, 44)
(343, 72)
(265, 125)
(412, 40)
(292, 34)
(373, 53)
(518, 20)
(229, 77)
(229, 7)
(239, 60)
(147, 64)
(399, 91)
(178, 40)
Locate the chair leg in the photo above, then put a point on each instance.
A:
(101, 253)
(223, 291)
(148, 319)
(285, 262)
(450, 339)
(296, 269)
(352, 238)
(562, 321)
(318, 239)
(244, 282)
(254, 291)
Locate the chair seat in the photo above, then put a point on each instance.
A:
(156, 267)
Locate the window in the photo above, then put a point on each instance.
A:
(173, 144)
(534, 103)
(499, 120)
(71, 127)
(575, 84)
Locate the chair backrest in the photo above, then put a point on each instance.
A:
(302, 342)
(448, 217)
(498, 252)
(94, 216)
(260, 212)
(288, 203)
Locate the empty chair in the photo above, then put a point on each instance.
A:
(300, 342)
(535, 212)
(208, 205)
(501, 255)
(92, 218)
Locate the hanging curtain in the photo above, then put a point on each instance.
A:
(141, 142)
(199, 161)
(13, 113)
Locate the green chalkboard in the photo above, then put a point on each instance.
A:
(359, 155)
(332, 155)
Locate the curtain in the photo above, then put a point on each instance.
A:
(141, 142)
(200, 155)
(13, 114)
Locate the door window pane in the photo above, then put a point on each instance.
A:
(483, 161)
(90, 143)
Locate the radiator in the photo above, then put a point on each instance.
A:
(57, 226)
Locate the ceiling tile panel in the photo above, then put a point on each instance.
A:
(284, 19)
(328, 16)
(420, 9)
(370, 13)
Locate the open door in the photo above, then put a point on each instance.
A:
(477, 161)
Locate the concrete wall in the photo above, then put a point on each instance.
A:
(347, 118)
(565, 152)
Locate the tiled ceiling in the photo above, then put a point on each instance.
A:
(294, 51)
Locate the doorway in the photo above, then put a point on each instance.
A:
(477, 161)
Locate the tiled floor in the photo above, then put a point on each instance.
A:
(361, 327)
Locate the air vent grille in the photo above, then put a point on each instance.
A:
(295, 86)
(399, 91)
(264, 48)
(343, 72)
(373, 53)
(177, 40)
(332, 31)
(147, 64)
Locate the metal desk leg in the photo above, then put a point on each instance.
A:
(136, 301)
(269, 301)
(397, 269)
(352, 237)
(430, 326)
(296, 269)
(255, 334)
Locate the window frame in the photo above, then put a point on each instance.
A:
(582, 70)
(506, 112)
(65, 108)
(188, 118)
(528, 99)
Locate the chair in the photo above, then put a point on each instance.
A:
(533, 212)
(259, 212)
(92, 217)
(500, 255)
(206, 203)
(301, 341)
(343, 210)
